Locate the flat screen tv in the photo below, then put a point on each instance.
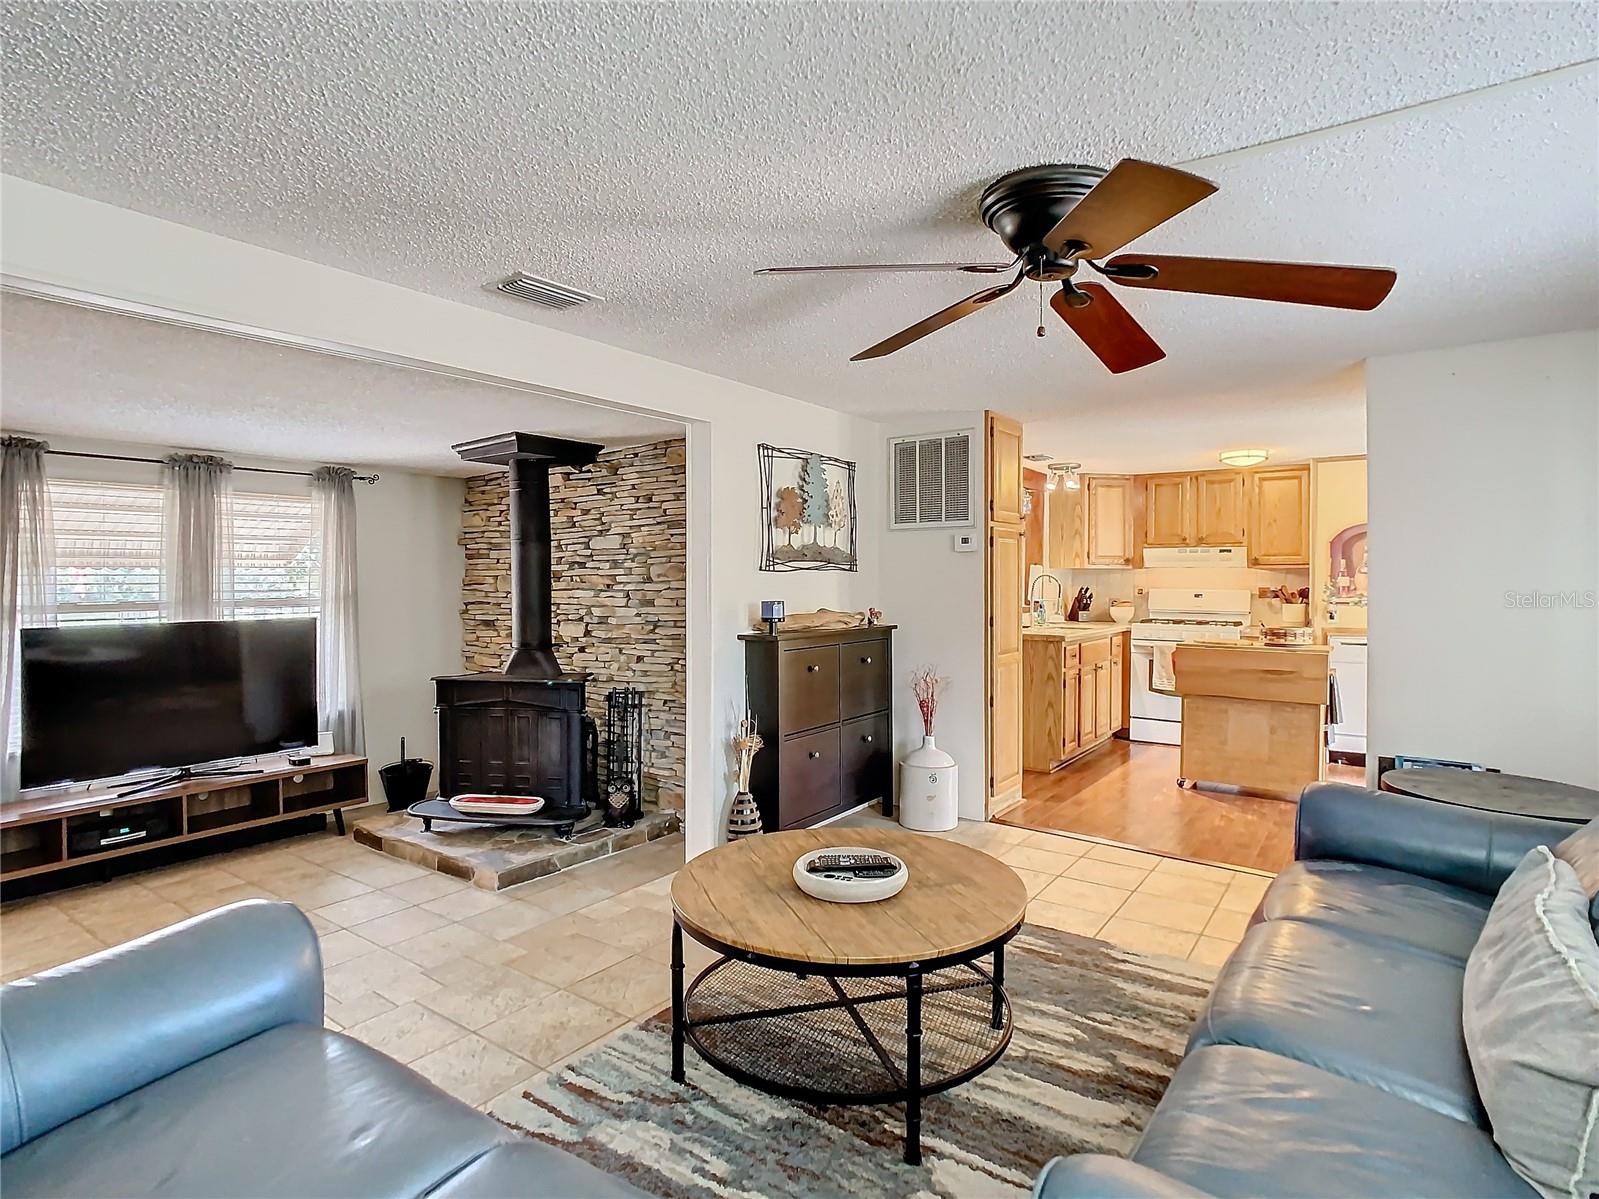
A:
(106, 700)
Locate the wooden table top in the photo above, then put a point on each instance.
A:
(744, 895)
(1493, 792)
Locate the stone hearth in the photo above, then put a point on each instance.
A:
(494, 857)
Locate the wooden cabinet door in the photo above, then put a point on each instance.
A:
(1005, 601)
(808, 684)
(1004, 470)
(1102, 701)
(1086, 679)
(864, 677)
(1064, 517)
(866, 759)
(1070, 739)
(1109, 501)
(1279, 516)
(1169, 510)
(810, 780)
(1118, 688)
(1219, 508)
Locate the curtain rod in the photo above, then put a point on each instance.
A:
(260, 470)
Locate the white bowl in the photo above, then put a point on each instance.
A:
(1121, 612)
(848, 890)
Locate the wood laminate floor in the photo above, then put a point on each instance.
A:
(1127, 792)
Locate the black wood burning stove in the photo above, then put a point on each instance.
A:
(523, 731)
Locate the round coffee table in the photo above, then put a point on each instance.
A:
(1492, 792)
(846, 1003)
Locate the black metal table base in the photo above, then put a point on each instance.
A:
(825, 1011)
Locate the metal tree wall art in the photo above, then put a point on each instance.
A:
(807, 510)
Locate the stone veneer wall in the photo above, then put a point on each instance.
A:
(620, 535)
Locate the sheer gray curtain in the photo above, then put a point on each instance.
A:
(338, 670)
(197, 537)
(27, 580)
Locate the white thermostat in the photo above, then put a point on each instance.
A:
(964, 543)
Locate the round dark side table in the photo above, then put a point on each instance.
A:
(1490, 792)
(876, 1003)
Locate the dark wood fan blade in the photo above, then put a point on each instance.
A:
(1358, 287)
(1108, 329)
(971, 268)
(937, 321)
(1128, 202)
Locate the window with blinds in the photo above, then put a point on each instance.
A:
(108, 553)
(276, 571)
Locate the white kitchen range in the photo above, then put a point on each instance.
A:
(1176, 614)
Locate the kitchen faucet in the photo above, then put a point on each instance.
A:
(1060, 593)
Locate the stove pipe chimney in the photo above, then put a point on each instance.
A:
(529, 458)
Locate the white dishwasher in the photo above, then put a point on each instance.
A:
(1347, 662)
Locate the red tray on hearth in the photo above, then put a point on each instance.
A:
(496, 805)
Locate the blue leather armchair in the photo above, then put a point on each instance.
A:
(1329, 1060)
(194, 1062)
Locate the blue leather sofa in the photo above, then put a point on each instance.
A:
(194, 1062)
(1329, 1060)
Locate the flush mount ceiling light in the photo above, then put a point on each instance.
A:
(1243, 457)
(1065, 474)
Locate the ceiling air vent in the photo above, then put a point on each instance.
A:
(930, 480)
(546, 293)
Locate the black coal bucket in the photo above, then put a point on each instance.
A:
(406, 782)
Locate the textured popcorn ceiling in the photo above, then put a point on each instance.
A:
(657, 153)
(71, 371)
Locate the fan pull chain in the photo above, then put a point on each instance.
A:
(1041, 310)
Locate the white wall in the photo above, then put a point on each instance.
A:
(1484, 496)
(408, 580)
(409, 565)
(935, 596)
(61, 240)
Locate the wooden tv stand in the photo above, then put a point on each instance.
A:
(36, 833)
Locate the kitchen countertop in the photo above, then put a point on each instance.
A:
(1257, 643)
(1074, 632)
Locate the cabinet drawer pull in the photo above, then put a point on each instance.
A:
(815, 753)
(867, 738)
(866, 661)
(812, 668)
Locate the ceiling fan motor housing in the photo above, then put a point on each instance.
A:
(1023, 206)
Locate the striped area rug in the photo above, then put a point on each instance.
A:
(1098, 1032)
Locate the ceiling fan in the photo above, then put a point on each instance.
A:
(1055, 218)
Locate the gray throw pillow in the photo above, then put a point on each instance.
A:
(1581, 852)
(1531, 1006)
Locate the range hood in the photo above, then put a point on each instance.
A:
(1234, 556)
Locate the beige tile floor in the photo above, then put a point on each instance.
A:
(484, 992)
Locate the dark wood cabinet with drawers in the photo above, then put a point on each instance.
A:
(823, 702)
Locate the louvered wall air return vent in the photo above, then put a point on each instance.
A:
(546, 293)
(930, 480)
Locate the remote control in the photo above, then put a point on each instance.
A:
(858, 865)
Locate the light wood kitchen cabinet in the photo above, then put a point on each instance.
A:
(1219, 508)
(1118, 682)
(1092, 526)
(1071, 685)
(1074, 701)
(1169, 510)
(1279, 516)
(1103, 702)
(1108, 512)
(1207, 508)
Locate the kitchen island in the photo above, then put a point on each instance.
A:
(1074, 690)
(1254, 716)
